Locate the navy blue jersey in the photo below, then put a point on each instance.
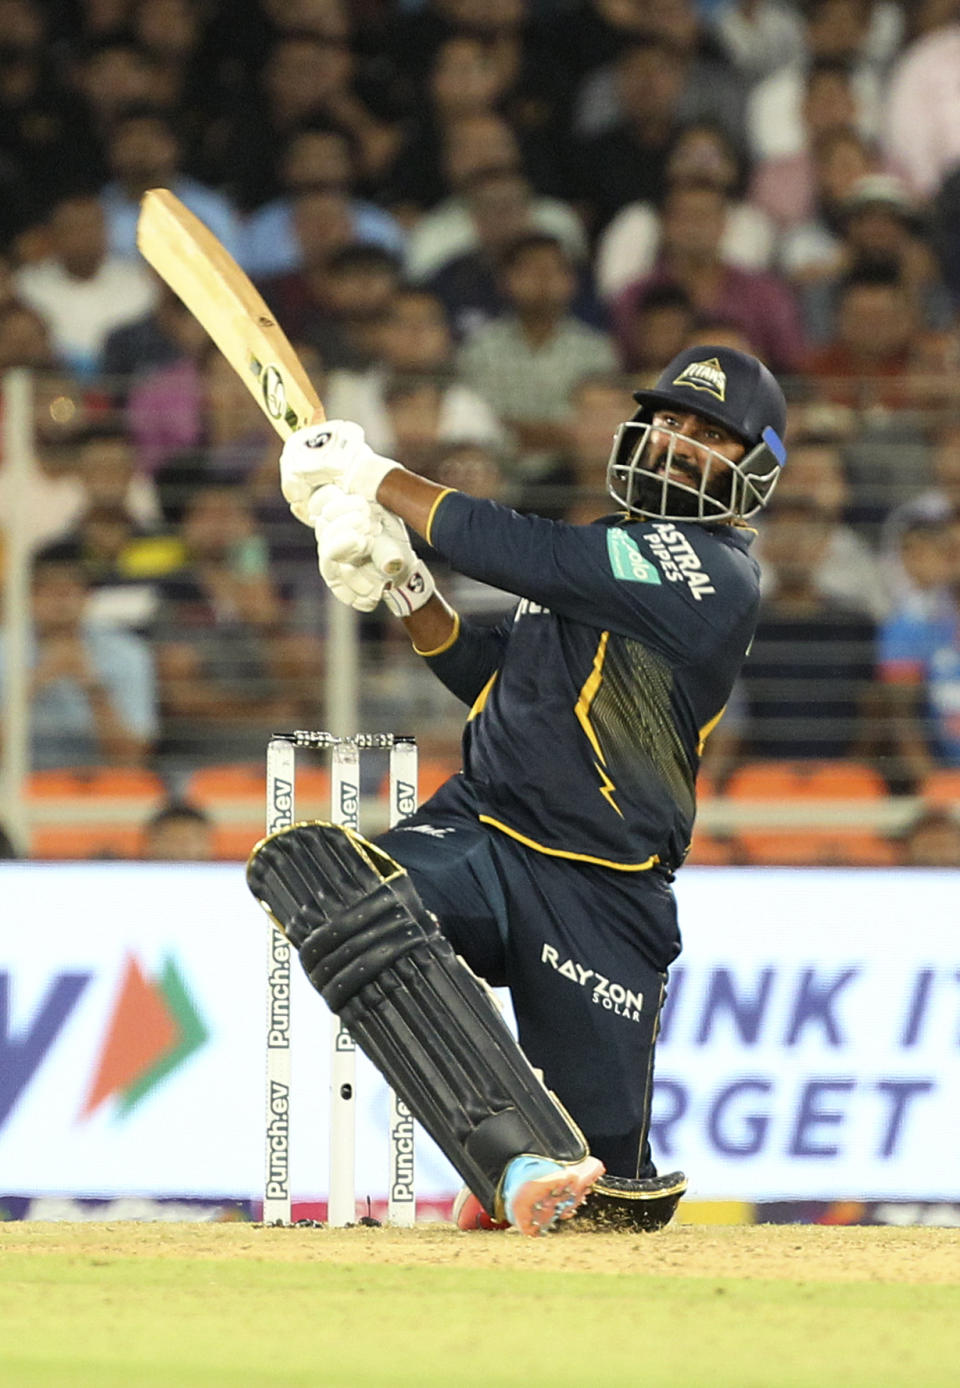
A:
(590, 703)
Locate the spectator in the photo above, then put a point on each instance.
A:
(38, 118)
(574, 485)
(167, 334)
(864, 34)
(808, 681)
(502, 209)
(792, 188)
(470, 467)
(941, 500)
(712, 91)
(880, 226)
(414, 339)
(850, 574)
(122, 564)
(922, 115)
(337, 302)
(920, 563)
(187, 78)
(465, 79)
(840, 159)
(229, 668)
(81, 291)
(92, 692)
(201, 409)
(721, 333)
(111, 72)
(757, 36)
(920, 666)
(692, 221)
(316, 157)
(526, 362)
(657, 330)
(525, 76)
(305, 78)
(476, 144)
(931, 840)
(144, 151)
(627, 163)
(414, 406)
(702, 152)
(178, 832)
(105, 461)
(477, 471)
(879, 355)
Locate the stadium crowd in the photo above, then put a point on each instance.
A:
(482, 223)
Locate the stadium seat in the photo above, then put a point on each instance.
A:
(233, 794)
(90, 811)
(802, 790)
(941, 789)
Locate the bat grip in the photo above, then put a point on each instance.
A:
(387, 556)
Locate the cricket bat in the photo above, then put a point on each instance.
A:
(204, 275)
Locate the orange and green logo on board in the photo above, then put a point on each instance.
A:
(153, 1028)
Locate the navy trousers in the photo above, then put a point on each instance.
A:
(583, 949)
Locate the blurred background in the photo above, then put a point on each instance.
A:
(482, 223)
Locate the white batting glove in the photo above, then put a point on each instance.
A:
(350, 530)
(359, 586)
(364, 554)
(362, 586)
(417, 589)
(333, 452)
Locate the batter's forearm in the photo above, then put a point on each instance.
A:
(410, 497)
(432, 627)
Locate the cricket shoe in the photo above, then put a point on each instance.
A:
(469, 1214)
(538, 1193)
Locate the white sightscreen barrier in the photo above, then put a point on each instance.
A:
(811, 1044)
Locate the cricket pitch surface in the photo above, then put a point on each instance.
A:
(159, 1305)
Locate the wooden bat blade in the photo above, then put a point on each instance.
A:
(204, 275)
(220, 295)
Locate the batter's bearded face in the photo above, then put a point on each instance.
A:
(684, 457)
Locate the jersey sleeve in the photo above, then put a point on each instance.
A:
(468, 660)
(652, 581)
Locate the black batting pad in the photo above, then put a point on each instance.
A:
(368, 944)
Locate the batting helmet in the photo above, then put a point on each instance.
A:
(726, 387)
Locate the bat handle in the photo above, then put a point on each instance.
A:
(388, 557)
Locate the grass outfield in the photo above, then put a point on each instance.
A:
(232, 1306)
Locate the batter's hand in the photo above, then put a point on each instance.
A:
(359, 586)
(364, 554)
(332, 452)
(350, 530)
(362, 586)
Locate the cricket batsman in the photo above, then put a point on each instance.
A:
(546, 864)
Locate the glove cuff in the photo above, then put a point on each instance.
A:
(367, 473)
(415, 591)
